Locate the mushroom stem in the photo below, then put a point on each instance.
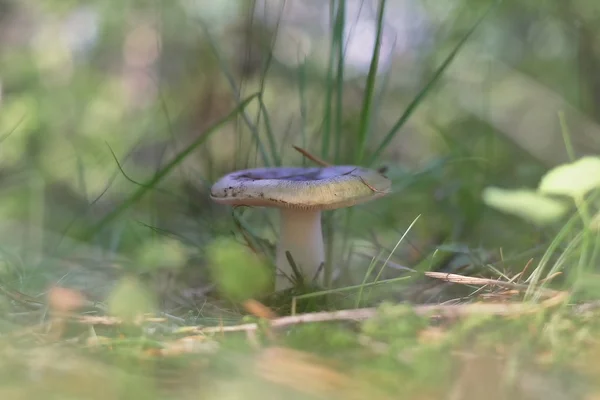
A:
(301, 235)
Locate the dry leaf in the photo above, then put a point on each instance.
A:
(300, 371)
(259, 310)
(64, 301)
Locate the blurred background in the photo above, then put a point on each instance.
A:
(97, 97)
(116, 117)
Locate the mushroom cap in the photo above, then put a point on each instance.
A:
(325, 188)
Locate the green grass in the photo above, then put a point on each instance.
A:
(153, 241)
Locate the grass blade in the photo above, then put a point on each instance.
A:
(430, 84)
(566, 134)
(270, 136)
(302, 96)
(365, 118)
(336, 41)
(263, 109)
(237, 93)
(351, 288)
(162, 173)
(339, 81)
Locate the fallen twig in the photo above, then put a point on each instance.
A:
(553, 298)
(361, 314)
(311, 157)
(469, 280)
(22, 298)
(109, 321)
(258, 309)
(518, 276)
(374, 190)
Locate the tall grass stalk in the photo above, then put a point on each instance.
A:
(365, 117)
(333, 114)
(303, 105)
(566, 135)
(237, 94)
(275, 155)
(164, 171)
(364, 282)
(412, 106)
(338, 34)
(536, 275)
(333, 72)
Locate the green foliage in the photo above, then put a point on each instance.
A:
(239, 273)
(574, 180)
(398, 322)
(526, 204)
(161, 253)
(130, 299)
(328, 340)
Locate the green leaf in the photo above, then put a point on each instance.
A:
(129, 299)
(163, 253)
(525, 203)
(574, 179)
(238, 272)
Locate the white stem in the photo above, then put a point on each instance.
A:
(301, 235)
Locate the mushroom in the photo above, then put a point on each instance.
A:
(300, 194)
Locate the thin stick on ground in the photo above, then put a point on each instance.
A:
(110, 321)
(469, 280)
(21, 298)
(361, 314)
(521, 274)
(553, 298)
